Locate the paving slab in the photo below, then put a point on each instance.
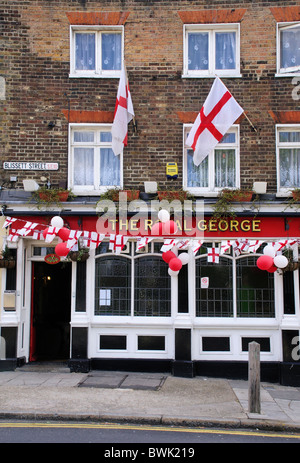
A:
(106, 381)
(49, 393)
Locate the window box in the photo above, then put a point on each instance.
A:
(237, 195)
(170, 195)
(296, 195)
(131, 194)
(223, 207)
(49, 196)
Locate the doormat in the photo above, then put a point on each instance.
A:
(116, 380)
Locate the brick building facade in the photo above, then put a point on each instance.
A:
(58, 88)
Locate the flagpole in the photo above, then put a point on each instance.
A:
(252, 126)
(133, 117)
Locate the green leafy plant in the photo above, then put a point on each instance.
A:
(293, 264)
(7, 260)
(46, 197)
(171, 195)
(79, 256)
(294, 200)
(224, 206)
(112, 194)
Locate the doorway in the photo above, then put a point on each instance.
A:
(50, 311)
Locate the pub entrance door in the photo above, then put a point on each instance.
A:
(50, 311)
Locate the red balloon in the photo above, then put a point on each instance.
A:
(61, 250)
(175, 264)
(169, 227)
(264, 262)
(272, 269)
(45, 233)
(168, 255)
(157, 229)
(64, 233)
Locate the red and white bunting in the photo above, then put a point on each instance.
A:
(254, 245)
(236, 248)
(117, 243)
(168, 244)
(13, 236)
(50, 234)
(8, 222)
(37, 235)
(213, 255)
(73, 238)
(244, 245)
(142, 242)
(92, 239)
(28, 227)
(182, 244)
(196, 245)
(225, 246)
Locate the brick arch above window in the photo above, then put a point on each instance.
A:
(88, 116)
(286, 14)
(285, 117)
(188, 117)
(96, 18)
(229, 15)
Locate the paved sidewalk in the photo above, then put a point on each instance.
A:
(55, 393)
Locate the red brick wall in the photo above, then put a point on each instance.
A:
(35, 65)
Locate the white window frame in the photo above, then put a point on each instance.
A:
(95, 189)
(97, 72)
(283, 191)
(211, 29)
(285, 72)
(212, 190)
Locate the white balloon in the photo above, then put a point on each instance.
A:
(163, 215)
(269, 251)
(277, 246)
(57, 222)
(184, 257)
(173, 273)
(280, 261)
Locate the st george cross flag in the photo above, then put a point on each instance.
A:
(217, 115)
(124, 113)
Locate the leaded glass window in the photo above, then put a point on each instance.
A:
(152, 293)
(217, 299)
(255, 289)
(113, 286)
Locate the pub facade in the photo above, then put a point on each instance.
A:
(89, 280)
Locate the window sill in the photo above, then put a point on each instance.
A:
(288, 74)
(284, 194)
(210, 76)
(94, 76)
(88, 192)
(205, 194)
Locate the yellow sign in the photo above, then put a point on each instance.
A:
(172, 170)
